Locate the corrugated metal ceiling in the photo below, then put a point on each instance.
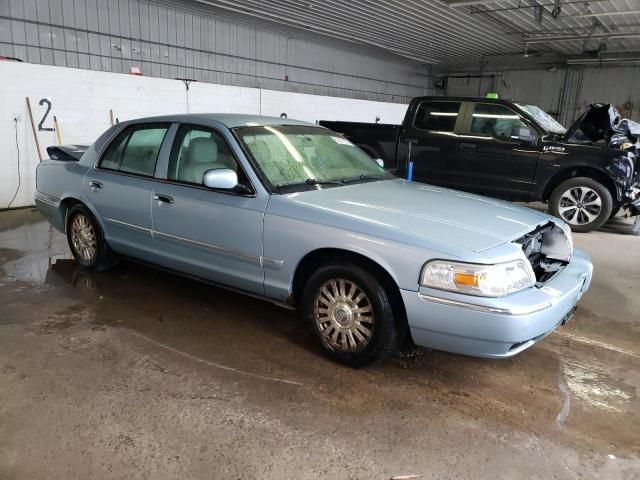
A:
(450, 36)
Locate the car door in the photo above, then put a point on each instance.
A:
(212, 234)
(493, 159)
(431, 141)
(120, 186)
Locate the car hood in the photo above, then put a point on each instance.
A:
(414, 213)
(601, 121)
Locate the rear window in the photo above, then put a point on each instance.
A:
(437, 116)
(135, 150)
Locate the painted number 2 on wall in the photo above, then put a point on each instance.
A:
(44, 101)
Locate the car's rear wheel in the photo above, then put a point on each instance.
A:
(350, 314)
(582, 202)
(86, 240)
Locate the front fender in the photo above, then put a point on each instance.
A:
(283, 252)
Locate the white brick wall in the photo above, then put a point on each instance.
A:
(81, 100)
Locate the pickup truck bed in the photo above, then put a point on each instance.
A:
(379, 140)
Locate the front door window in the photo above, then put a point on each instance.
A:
(496, 121)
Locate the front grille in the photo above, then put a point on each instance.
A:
(547, 249)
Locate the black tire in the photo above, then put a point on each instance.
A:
(384, 332)
(585, 216)
(103, 257)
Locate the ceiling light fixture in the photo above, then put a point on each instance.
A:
(604, 14)
(569, 38)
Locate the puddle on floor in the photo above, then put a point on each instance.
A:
(557, 386)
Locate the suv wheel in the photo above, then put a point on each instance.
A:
(582, 202)
(86, 240)
(350, 314)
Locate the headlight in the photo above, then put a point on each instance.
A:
(474, 279)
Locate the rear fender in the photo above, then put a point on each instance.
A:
(69, 199)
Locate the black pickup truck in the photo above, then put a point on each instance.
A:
(513, 151)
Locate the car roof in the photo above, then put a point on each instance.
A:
(230, 120)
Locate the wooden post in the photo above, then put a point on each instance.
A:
(57, 127)
(111, 117)
(33, 128)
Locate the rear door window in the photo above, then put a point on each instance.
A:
(113, 155)
(135, 150)
(437, 116)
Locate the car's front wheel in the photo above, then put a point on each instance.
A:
(86, 240)
(582, 202)
(351, 314)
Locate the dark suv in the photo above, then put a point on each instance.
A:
(509, 150)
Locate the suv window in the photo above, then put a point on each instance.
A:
(135, 150)
(437, 116)
(495, 121)
(198, 149)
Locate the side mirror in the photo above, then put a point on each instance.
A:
(522, 134)
(380, 162)
(220, 178)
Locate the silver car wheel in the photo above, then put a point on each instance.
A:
(344, 315)
(580, 205)
(83, 237)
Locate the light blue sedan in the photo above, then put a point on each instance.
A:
(293, 213)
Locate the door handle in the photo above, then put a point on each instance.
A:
(470, 146)
(162, 198)
(95, 185)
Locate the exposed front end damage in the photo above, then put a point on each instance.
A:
(601, 123)
(548, 249)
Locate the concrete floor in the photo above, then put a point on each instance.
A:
(135, 373)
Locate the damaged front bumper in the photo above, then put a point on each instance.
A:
(631, 200)
(496, 327)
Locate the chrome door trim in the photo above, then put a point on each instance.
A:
(130, 225)
(208, 246)
(265, 262)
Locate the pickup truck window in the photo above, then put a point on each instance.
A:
(495, 121)
(301, 156)
(135, 150)
(437, 116)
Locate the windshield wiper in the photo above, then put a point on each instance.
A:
(309, 181)
(362, 177)
(315, 181)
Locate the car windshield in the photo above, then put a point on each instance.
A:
(545, 120)
(293, 157)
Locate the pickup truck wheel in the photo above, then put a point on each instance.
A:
(86, 240)
(582, 202)
(350, 314)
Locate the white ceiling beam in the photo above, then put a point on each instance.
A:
(229, 5)
(569, 38)
(603, 14)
